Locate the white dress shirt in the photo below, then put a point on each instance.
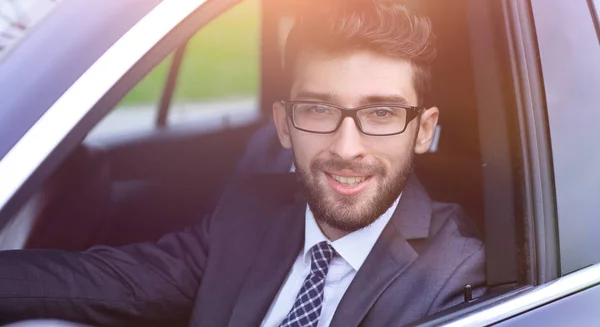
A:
(353, 249)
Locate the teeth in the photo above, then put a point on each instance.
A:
(348, 180)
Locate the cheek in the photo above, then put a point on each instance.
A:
(391, 151)
(307, 147)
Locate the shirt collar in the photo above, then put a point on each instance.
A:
(354, 247)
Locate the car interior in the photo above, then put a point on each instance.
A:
(139, 187)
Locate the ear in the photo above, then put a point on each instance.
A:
(427, 124)
(281, 123)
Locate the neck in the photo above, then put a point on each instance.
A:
(331, 233)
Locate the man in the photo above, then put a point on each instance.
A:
(351, 239)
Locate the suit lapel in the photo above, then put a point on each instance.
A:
(390, 257)
(274, 260)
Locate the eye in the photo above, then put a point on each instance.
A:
(381, 113)
(320, 109)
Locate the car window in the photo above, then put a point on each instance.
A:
(219, 75)
(18, 18)
(216, 83)
(138, 110)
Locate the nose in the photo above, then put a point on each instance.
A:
(347, 143)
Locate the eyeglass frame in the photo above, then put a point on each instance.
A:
(412, 112)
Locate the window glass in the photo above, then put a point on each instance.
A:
(219, 76)
(218, 80)
(19, 17)
(137, 111)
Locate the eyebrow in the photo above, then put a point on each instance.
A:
(366, 100)
(309, 95)
(391, 99)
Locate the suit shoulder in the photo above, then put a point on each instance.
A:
(453, 232)
(452, 216)
(455, 245)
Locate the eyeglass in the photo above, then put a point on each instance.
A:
(375, 120)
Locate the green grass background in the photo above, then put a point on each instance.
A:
(221, 61)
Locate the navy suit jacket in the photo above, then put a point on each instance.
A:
(227, 271)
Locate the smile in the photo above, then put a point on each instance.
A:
(348, 180)
(347, 185)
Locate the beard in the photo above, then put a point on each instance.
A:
(350, 213)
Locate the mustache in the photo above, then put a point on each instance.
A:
(339, 164)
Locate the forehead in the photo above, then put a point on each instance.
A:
(349, 78)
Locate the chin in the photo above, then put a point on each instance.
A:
(345, 213)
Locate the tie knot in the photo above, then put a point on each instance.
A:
(321, 253)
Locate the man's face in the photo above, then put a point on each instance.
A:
(352, 178)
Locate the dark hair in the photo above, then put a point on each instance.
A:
(383, 26)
